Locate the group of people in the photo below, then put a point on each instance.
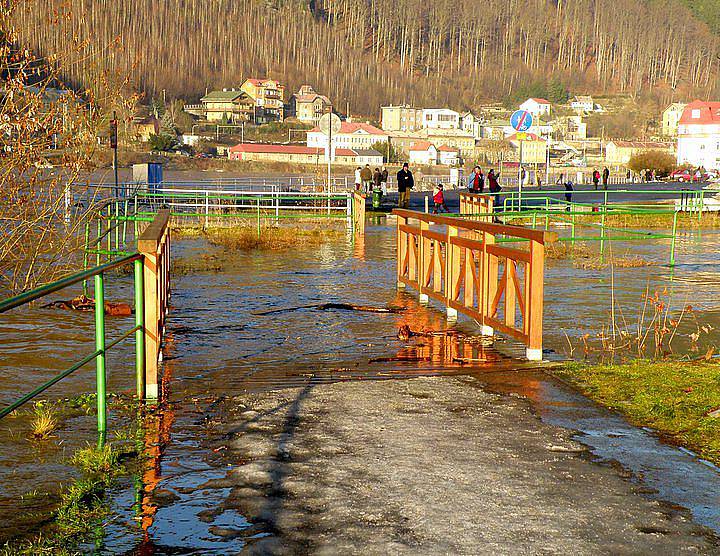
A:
(605, 176)
(367, 179)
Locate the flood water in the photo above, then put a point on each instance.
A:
(219, 346)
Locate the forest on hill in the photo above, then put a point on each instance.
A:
(374, 52)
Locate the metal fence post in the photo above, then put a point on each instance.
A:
(100, 357)
(139, 333)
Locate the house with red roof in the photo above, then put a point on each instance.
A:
(268, 96)
(448, 156)
(423, 153)
(352, 135)
(698, 140)
(538, 107)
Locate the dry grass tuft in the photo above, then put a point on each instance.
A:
(246, 237)
(585, 259)
(43, 424)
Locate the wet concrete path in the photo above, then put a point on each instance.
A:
(285, 433)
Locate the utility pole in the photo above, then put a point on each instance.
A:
(114, 147)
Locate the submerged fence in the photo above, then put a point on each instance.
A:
(151, 286)
(458, 262)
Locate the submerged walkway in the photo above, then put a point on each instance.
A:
(429, 466)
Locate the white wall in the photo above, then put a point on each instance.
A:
(700, 151)
(440, 118)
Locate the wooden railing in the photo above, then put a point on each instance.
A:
(154, 245)
(474, 204)
(358, 213)
(461, 265)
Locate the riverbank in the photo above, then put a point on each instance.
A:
(681, 400)
(441, 466)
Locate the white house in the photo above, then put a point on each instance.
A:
(440, 118)
(448, 156)
(470, 123)
(537, 107)
(698, 141)
(424, 153)
(351, 136)
(368, 156)
(585, 103)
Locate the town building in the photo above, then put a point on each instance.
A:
(448, 156)
(455, 138)
(145, 126)
(351, 136)
(308, 106)
(440, 118)
(423, 153)
(229, 105)
(575, 128)
(534, 148)
(368, 156)
(698, 136)
(671, 118)
(537, 106)
(268, 95)
(401, 118)
(296, 154)
(583, 103)
(496, 129)
(471, 124)
(620, 152)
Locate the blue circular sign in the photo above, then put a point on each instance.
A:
(522, 120)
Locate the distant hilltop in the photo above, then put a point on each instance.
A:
(369, 53)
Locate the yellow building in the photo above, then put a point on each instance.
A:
(231, 105)
(401, 118)
(534, 148)
(143, 128)
(268, 96)
(620, 152)
(671, 118)
(458, 139)
(308, 106)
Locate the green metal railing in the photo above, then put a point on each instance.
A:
(101, 344)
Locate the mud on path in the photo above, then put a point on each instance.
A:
(427, 466)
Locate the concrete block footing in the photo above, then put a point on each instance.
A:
(400, 286)
(424, 299)
(452, 314)
(533, 354)
(151, 391)
(487, 330)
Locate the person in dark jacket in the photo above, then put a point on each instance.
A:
(383, 180)
(476, 181)
(405, 183)
(605, 177)
(596, 178)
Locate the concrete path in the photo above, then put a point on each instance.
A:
(428, 466)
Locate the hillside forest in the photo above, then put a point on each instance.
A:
(373, 52)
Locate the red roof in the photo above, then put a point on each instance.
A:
(709, 113)
(540, 100)
(447, 149)
(641, 144)
(286, 149)
(421, 146)
(528, 137)
(352, 127)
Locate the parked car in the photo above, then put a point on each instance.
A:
(687, 176)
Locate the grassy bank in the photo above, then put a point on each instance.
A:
(244, 237)
(678, 399)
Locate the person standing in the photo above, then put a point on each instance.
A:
(383, 180)
(568, 195)
(377, 179)
(405, 183)
(596, 178)
(358, 179)
(605, 177)
(476, 181)
(366, 176)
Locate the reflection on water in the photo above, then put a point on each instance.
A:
(221, 348)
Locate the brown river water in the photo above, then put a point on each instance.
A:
(218, 347)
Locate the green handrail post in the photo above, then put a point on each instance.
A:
(100, 347)
(672, 241)
(85, 256)
(602, 234)
(99, 234)
(534, 219)
(258, 218)
(702, 205)
(140, 332)
(547, 209)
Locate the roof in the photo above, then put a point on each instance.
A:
(352, 127)
(583, 98)
(259, 82)
(422, 146)
(367, 152)
(445, 148)
(286, 149)
(223, 95)
(529, 137)
(311, 98)
(709, 113)
(539, 100)
(641, 144)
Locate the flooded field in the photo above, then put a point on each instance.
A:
(219, 345)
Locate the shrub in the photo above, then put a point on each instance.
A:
(662, 162)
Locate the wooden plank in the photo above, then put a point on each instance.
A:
(512, 332)
(514, 254)
(432, 234)
(534, 275)
(467, 243)
(469, 292)
(509, 280)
